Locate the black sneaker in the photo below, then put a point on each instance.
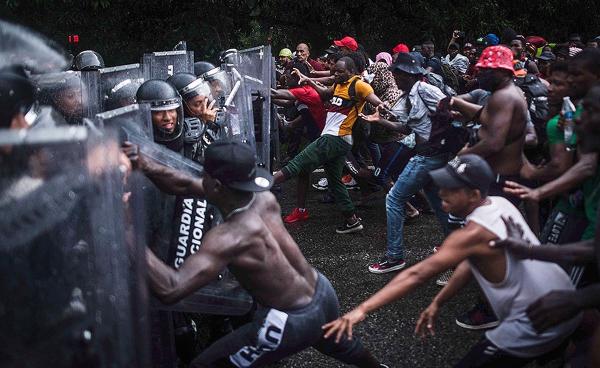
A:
(385, 265)
(444, 278)
(347, 228)
(479, 317)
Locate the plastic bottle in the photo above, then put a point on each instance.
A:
(568, 113)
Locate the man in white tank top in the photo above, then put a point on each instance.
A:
(510, 284)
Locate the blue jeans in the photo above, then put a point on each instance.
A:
(413, 178)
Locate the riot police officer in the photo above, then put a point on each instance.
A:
(167, 112)
(202, 121)
(88, 60)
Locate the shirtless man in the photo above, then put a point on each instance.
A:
(511, 284)
(294, 299)
(503, 119)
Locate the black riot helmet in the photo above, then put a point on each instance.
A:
(122, 94)
(17, 94)
(201, 67)
(188, 85)
(161, 96)
(88, 60)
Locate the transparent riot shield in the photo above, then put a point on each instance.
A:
(238, 105)
(74, 94)
(256, 67)
(130, 120)
(275, 142)
(73, 292)
(22, 46)
(178, 233)
(163, 64)
(119, 84)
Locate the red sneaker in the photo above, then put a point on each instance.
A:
(296, 216)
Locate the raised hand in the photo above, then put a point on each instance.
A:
(301, 77)
(514, 239)
(208, 112)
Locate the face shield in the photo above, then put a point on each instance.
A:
(219, 83)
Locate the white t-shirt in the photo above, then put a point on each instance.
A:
(525, 282)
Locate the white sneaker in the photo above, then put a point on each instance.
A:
(321, 184)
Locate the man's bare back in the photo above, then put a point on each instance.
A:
(293, 299)
(268, 262)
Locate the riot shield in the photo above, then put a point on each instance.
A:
(179, 232)
(238, 105)
(129, 120)
(21, 46)
(119, 84)
(73, 294)
(163, 64)
(74, 94)
(194, 217)
(275, 142)
(256, 66)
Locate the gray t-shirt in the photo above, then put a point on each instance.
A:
(413, 108)
(525, 281)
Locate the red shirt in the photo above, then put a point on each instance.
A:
(317, 65)
(308, 96)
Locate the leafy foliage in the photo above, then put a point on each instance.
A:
(123, 30)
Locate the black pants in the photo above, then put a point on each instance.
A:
(275, 334)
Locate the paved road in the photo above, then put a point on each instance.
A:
(344, 259)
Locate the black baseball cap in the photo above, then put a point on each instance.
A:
(407, 63)
(233, 163)
(466, 171)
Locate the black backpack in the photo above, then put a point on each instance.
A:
(536, 94)
(445, 137)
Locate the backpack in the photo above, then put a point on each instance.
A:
(450, 76)
(536, 94)
(445, 136)
(438, 81)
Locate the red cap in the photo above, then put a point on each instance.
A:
(496, 57)
(537, 41)
(348, 42)
(400, 48)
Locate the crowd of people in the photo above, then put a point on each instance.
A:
(499, 138)
(492, 134)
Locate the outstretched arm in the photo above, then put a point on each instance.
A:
(170, 285)
(376, 118)
(282, 94)
(580, 252)
(460, 277)
(467, 109)
(167, 179)
(456, 248)
(497, 121)
(575, 253)
(576, 174)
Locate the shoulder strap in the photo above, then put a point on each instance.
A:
(352, 90)
(421, 97)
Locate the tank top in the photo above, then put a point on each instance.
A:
(525, 281)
